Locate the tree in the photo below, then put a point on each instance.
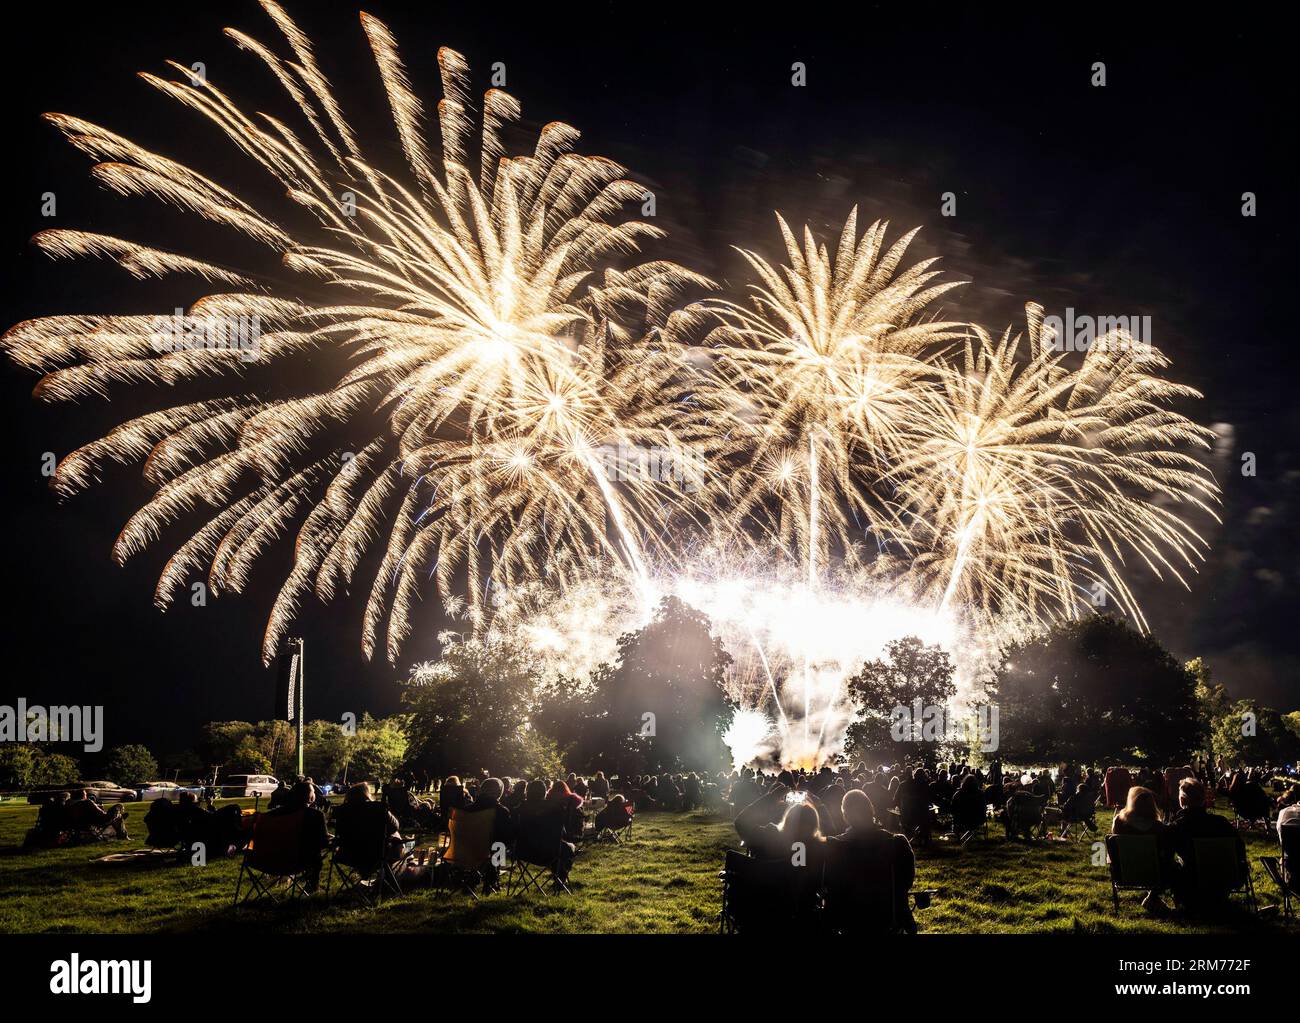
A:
(248, 758)
(53, 769)
(378, 749)
(326, 750)
(1095, 689)
(1249, 734)
(562, 709)
(130, 764)
(662, 706)
(186, 763)
(17, 765)
(1243, 732)
(26, 766)
(472, 707)
(218, 741)
(910, 673)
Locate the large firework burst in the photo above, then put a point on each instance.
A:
(820, 382)
(472, 314)
(1031, 487)
(495, 356)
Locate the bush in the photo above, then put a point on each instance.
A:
(54, 769)
(131, 764)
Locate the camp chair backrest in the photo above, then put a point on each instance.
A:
(1219, 864)
(1134, 860)
(1029, 811)
(364, 838)
(1289, 839)
(765, 895)
(277, 846)
(470, 842)
(1250, 803)
(539, 837)
(859, 889)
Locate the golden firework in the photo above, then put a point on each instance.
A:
(455, 300)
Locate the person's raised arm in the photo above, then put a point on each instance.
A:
(758, 813)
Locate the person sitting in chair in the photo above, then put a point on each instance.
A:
(969, 811)
(217, 831)
(913, 798)
(1023, 813)
(315, 834)
(1249, 800)
(570, 804)
(503, 829)
(1141, 816)
(867, 843)
(51, 823)
(84, 814)
(783, 824)
(280, 796)
(536, 806)
(353, 823)
(451, 796)
(1192, 822)
(1080, 809)
(616, 815)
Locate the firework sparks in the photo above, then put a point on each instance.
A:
(820, 382)
(1032, 486)
(493, 340)
(458, 301)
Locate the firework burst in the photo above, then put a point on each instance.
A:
(458, 302)
(837, 465)
(819, 382)
(1031, 488)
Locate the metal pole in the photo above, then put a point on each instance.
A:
(298, 729)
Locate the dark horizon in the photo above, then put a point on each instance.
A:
(1118, 200)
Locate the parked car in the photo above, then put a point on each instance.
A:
(236, 786)
(166, 790)
(102, 791)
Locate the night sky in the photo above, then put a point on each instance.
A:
(1117, 200)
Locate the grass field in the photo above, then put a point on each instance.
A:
(663, 880)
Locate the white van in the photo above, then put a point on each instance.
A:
(237, 786)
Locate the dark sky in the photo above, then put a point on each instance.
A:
(1124, 199)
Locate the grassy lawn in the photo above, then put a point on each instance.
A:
(664, 880)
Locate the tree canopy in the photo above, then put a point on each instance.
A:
(1096, 689)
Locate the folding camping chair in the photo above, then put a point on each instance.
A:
(768, 896)
(538, 846)
(1084, 828)
(273, 858)
(360, 857)
(1134, 864)
(83, 830)
(616, 830)
(1285, 871)
(858, 898)
(970, 828)
(468, 851)
(1221, 869)
(1250, 810)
